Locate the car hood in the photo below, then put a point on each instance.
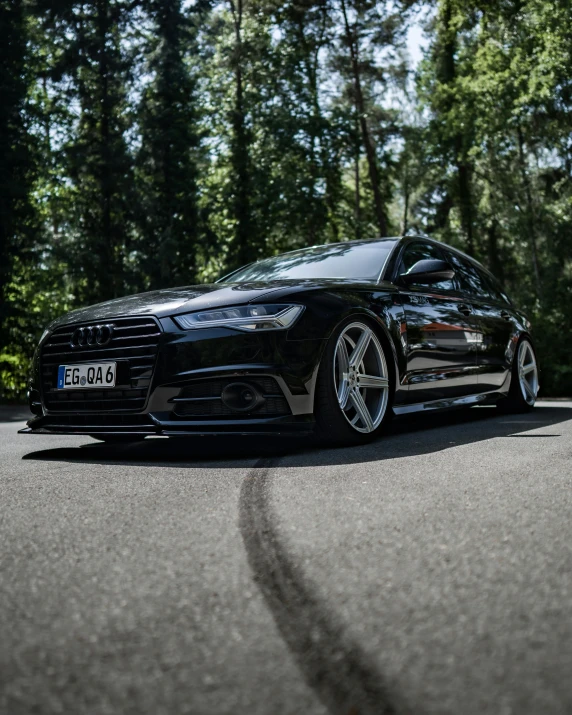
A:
(174, 301)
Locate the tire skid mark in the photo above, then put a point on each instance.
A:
(333, 665)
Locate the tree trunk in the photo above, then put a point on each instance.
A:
(465, 197)
(357, 183)
(530, 213)
(462, 164)
(310, 63)
(495, 263)
(245, 249)
(322, 139)
(406, 196)
(14, 151)
(373, 168)
(109, 272)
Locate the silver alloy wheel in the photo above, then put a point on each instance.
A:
(361, 377)
(527, 372)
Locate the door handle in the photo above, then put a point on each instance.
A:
(505, 315)
(465, 308)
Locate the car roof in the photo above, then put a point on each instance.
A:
(407, 238)
(403, 239)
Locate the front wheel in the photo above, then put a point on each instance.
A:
(524, 380)
(353, 391)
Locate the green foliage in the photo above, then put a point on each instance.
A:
(497, 87)
(153, 143)
(36, 293)
(18, 227)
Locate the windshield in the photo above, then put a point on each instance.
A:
(357, 261)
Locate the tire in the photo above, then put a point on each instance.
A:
(524, 380)
(116, 438)
(348, 411)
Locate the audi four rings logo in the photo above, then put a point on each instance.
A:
(94, 335)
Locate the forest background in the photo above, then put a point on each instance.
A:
(155, 143)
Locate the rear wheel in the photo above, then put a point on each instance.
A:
(353, 392)
(524, 381)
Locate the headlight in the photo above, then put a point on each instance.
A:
(243, 317)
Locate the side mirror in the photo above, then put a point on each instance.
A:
(428, 271)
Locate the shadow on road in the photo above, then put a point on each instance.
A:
(407, 436)
(14, 413)
(333, 663)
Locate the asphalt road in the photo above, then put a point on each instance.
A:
(429, 572)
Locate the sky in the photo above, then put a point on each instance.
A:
(416, 43)
(416, 40)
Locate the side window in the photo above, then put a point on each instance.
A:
(419, 252)
(470, 279)
(495, 288)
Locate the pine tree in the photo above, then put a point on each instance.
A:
(168, 214)
(450, 133)
(306, 166)
(243, 248)
(18, 229)
(99, 163)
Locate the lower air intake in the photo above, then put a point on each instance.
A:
(204, 399)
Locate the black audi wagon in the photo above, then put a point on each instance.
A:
(332, 340)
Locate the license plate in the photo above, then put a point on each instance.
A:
(84, 376)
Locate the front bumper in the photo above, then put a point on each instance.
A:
(152, 427)
(191, 358)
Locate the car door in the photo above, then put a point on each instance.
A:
(441, 334)
(495, 316)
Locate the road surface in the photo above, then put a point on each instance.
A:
(428, 572)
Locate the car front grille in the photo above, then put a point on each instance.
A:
(203, 399)
(133, 347)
